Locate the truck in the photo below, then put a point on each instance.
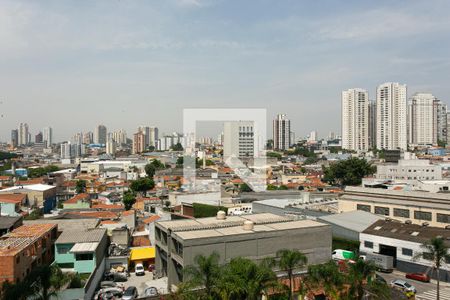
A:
(384, 263)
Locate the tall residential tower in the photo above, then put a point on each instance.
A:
(281, 133)
(355, 119)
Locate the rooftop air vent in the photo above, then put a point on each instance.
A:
(248, 225)
(221, 215)
(425, 224)
(408, 222)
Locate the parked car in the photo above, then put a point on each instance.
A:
(109, 293)
(418, 276)
(151, 291)
(106, 284)
(115, 276)
(139, 270)
(403, 285)
(380, 279)
(130, 293)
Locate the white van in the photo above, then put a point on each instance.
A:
(340, 254)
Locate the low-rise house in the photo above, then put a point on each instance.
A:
(39, 195)
(6, 181)
(11, 204)
(81, 250)
(25, 248)
(80, 201)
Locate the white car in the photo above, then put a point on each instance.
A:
(139, 270)
(403, 285)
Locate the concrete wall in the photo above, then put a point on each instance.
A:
(255, 246)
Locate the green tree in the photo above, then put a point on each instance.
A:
(274, 154)
(348, 172)
(437, 251)
(359, 274)
(204, 273)
(142, 185)
(328, 277)
(81, 186)
(289, 260)
(245, 188)
(129, 198)
(177, 147)
(41, 171)
(151, 168)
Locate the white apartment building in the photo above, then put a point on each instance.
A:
(391, 116)
(24, 135)
(120, 137)
(281, 133)
(355, 119)
(409, 169)
(238, 139)
(153, 136)
(47, 136)
(110, 146)
(422, 119)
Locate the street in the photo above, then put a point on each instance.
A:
(425, 291)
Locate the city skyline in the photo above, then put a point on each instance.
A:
(143, 63)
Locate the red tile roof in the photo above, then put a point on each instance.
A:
(12, 198)
(151, 219)
(30, 181)
(107, 206)
(79, 197)
(128, 213)
(140, 241)
(5, 178)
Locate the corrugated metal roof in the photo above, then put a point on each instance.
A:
(81, 236)
(84, 247)
(354, 220)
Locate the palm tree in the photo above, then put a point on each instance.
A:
(437, 251)
(359, 274)
(328, 277)
(204, 273)
(289, 261)
(245, 279)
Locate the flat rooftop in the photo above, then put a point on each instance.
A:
(233, 225)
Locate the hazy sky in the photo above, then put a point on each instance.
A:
(75, 64)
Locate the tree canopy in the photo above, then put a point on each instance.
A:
(41, 171)
(151, 168)
(129, 198)
(348, 172)
(142, 185)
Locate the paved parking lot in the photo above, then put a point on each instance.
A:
(143, 282)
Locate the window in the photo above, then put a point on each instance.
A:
(84, 256)
(403, 213)
(63, 249)
(368, 244)
(422, 215)
(380, 210)
(66, 266)
(443, 218)
(407, 252)
(363, 207)
(17, 259)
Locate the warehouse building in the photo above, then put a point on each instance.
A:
(404, 242)
(254, 236)
(421, 208)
